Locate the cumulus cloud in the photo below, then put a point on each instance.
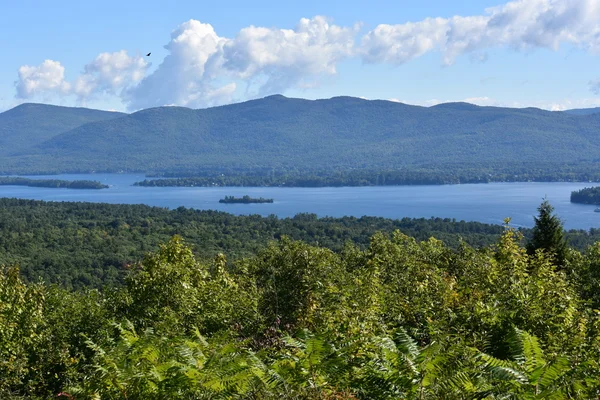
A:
(46, 78)
(285, 57)
(182, 77)
(398, 44)
(202, 68)
(521, 24)
(108, 72)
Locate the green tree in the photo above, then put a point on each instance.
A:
(171, 292)
(548, 234)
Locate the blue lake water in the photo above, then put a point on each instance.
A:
(489, 203)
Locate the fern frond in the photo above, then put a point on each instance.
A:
(407, 344)
(554, 371)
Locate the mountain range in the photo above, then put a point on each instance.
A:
(583, 111)
(289, 133)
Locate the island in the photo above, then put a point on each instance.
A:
(244, 200)
(588, 195)
(367, 177)
(51, 183)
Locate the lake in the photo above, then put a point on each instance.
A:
(489, 203)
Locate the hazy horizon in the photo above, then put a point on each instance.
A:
(292, 97)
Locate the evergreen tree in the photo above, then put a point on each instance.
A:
(548, 233)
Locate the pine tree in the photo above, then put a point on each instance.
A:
(548, 233)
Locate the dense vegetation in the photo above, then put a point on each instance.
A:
(80, 245)
(244, 200)
(396, 319)
(548, 234)
(51, 183)
(279, 133)
(363, 177)
(589, 195)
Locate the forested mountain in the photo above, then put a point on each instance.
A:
(583, 111)
(280, 132)
(30, 124)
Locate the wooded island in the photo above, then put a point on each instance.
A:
(244, 200)
(51, 183)
(589, 195)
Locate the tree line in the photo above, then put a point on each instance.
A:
(399, 318)
(453, 174)
(88, 245)
(589, 195)
(244, 200)
(51, 183)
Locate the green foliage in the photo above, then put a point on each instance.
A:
(171, 291)
(528, 374)
(297, 283)
(244, 200)
(335, 177)
(40, 335)
(21, 331)
(85, 245)
(548, 234)
(51, 183)
(80, 245)
(399, 318)
(589, 195)
(150, 366)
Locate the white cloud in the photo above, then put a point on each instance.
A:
(595, 86)
(182, 78)
(285, 57)
(204, 69)
(397, 44)
(108, 72)
(568, 104)
(481, 101)
(521, 24)
(46, 78)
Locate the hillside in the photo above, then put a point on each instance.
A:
(340, 133)
(583, 111)
(29, 124)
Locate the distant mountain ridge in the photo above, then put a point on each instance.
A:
(583, 111)
(281, 132)
(32, 123)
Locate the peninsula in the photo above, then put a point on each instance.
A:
(51, 183)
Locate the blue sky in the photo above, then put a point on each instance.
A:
(541, 53)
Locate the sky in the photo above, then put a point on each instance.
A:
(522, 53)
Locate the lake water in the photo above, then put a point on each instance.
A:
(489, 203)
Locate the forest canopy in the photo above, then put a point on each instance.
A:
(51, 183)
(400, 318)
(589, 195)
(79, 245)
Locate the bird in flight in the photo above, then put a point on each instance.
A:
(148, 55)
